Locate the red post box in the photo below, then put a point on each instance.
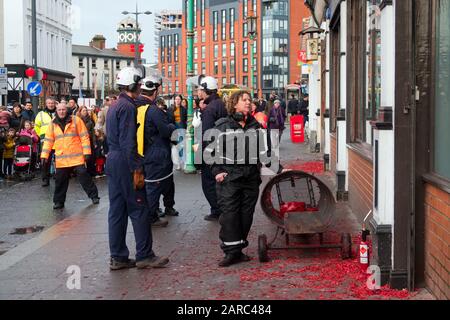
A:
(298, 129)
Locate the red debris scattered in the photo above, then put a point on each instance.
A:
(308, 167)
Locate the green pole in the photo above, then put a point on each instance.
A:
(190, 168)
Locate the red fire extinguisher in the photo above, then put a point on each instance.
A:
(364, 251)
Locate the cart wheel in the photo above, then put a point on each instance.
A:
(263, 248)
(346, 249)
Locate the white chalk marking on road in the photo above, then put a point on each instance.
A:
(23, 250)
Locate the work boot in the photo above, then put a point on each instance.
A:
(212, 217)
(155, 262)
(45, 182)
(229, 260)
(58, 206)
(171, 212)
(160, 223)
(96, 200)
(117, 265)
(160, 213)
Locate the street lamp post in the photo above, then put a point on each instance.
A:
(190, 168)
(34, 99)
(252, 34)
(136, 40)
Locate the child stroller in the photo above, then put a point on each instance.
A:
(23, 159)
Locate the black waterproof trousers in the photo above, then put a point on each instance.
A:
(237, 200)
(62, 183)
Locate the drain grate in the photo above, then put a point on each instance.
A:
(27, 230)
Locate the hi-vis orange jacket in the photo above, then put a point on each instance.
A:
(70, 146)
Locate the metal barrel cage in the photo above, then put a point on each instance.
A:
(299, 204)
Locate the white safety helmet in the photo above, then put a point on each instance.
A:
(208, 83)
(129, 77)
(151, 83)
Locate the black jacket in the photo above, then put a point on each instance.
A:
(28, 115)
(293, 106)
(247, 167)
(214, 111)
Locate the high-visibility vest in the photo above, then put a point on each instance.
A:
(41, 123)
(140, 134)
(70, 146)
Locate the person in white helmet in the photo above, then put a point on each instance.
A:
(154, 144)
(215, 110)
(124, 168)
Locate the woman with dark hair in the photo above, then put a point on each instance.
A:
(16, 117)
(178, 112)
(85, 115)
(238, 176)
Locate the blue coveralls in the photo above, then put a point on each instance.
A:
(158, 165)
(125, 202)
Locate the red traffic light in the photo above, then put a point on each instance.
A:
(30, 72)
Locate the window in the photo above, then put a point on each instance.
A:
(245, 81)
(224, 24)
(216, 51)
(203, 36)
(335, 73)
(94, 63)
(232, 49)
(224, 66)
(232, 21)
(245, 30)
(215, 25)
(203, 52)
(105, 64)
(245, 65)
(203, 67)
(195, 53)
(441, 144)
(245, 48)
(216, 67)
(176, 70)
(202, 13)
(245, 8)
(224, 81)
(232, 80)
(177, 86)
(175, 54)
(80, 62)
(169, 71)
(224, 50)
(118, 65)
(232, 66)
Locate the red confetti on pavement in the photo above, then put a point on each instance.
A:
(308, 167)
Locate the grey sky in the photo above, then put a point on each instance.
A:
(102, 17)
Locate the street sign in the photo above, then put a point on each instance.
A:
(34, 88)
(3, 81)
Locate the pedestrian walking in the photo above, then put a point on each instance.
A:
(214, 111)
(238, 177)
(42, 122)
(293, 106)
(100, 152)
(261, 117)
(102, 114)
(124, 168)
(277, 118)
(68, 136)
(178, 112)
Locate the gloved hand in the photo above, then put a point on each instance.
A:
(87, 158)
(138, 179)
